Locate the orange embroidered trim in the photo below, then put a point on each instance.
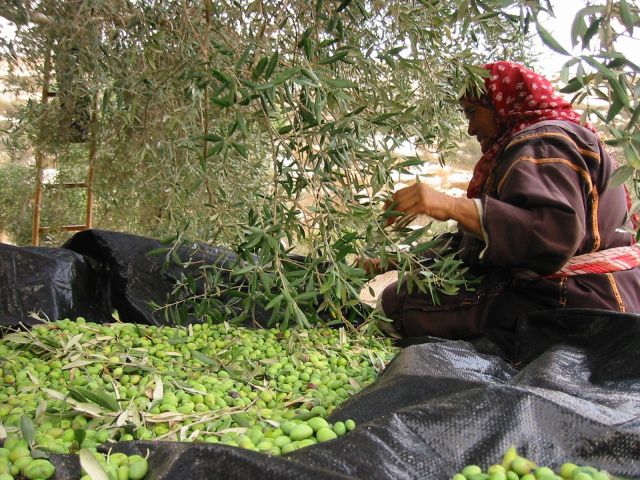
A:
(583, 173)
(616, 292)
(594, 220)
(524, 138)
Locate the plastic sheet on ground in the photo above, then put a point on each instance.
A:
(51, 283)
(442, 405)
(565, 386)
(97, 272)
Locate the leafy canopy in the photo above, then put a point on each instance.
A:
(272, 127)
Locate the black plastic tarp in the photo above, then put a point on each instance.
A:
(565, 386)
(52, 283)
(138, 278)
(97, 272)
(572, 395)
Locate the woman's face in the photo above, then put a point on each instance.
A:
(482, 123)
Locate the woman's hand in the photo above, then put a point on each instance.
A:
(421, 199)
(370, 265)
(374, 266)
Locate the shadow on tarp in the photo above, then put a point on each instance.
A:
(572, 395)
(96, 272)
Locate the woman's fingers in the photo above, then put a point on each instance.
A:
(405, 220)
(406, 203)
(418, 199)
(391, 212)
(402, 216)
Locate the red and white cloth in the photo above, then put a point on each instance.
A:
(606, 261)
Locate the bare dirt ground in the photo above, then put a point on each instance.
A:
(370, 293)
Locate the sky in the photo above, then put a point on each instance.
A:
(560, 27)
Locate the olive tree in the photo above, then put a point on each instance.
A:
(271, 127)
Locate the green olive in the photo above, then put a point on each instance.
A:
(287, 427)
(68, 435)
(306, 442)
(122, 472)
(265, 446)
(23, 462)
(301, 432)
(584, 469)
(246, 442)
(55, 432)
(582, 476)
(339, 428)
(566, 470)
(325, 434)
(521, 466)
(39, 469)
(290, 447)
(255, 434)
(496, 468)
(19, 451)
(544, 473)
(56, 447)
(470, 470)
(281, 441)
(118, 458)
(137, 468)
(316, 423)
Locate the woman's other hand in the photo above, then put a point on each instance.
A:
(372, 266)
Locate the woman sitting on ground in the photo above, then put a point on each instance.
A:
(540, 223)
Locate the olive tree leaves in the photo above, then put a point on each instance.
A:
(605, 75)
(274, 129)
(312, 105)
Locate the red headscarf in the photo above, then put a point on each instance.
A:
(520, 98)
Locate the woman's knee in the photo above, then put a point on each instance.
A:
(390, 300)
